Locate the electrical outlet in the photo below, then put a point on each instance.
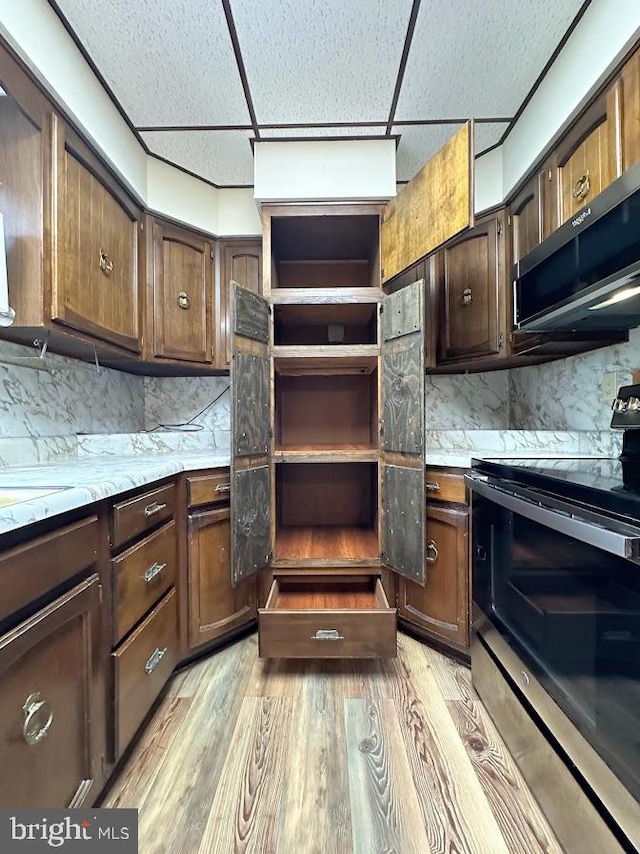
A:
(609, 386)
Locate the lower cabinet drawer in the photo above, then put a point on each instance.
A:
(141, 575)
(143, 664)
(344, 617)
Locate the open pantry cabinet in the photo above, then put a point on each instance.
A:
(328, 415)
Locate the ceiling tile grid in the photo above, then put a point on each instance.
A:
(223, 157)
(312, 132)
(168, 62)
(479, 58)
(321, 60)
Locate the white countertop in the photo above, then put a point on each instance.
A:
(92, 478)
(462, 459)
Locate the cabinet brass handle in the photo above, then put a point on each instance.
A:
(432, 551)
(327, 634)
(223, 487)
(432, 486)
(467, 297)
(106, 264)
(155, 569)
(153, 508)
(184, 301)
(32, 731)
(582, 186)
(154, 660)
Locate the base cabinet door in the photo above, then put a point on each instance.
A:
(52, 704)
(441, 607)
(215, 606)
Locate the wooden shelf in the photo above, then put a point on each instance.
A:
(336, 453)
(325, 296)
(326, 360)
(326, 542)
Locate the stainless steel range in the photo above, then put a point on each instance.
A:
(556, 633)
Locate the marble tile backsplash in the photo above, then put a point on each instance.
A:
(565, 395)
(62, 397)
(468, 401)
(176, 400)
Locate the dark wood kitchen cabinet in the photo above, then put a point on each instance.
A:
(470, 276)
(53, 703)
(241, 262)
(95, 251)
(216, 607)
(440, 609)
(181, 291)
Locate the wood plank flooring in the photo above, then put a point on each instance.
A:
(327, 757)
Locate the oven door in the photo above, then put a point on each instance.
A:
(562, 584)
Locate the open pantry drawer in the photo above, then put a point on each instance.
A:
(320, 617)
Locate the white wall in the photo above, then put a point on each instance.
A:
(489, 189)
(325, 170)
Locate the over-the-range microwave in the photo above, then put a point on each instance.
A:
(586, 275)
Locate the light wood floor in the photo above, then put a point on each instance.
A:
(308, 757)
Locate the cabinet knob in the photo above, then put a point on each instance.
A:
(105, 263)
(582, 186)
(35, 709)
(153, 508)
(154, 660)
(155, 569)
(327, 635)
(184, 301)
(432, 551)
(432, 486)
(467, 297)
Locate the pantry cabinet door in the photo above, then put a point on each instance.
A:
(433, 207)
(402, 522)
(251, 538)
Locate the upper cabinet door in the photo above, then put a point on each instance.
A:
(182, 294)
(95, 258)
(251, 546)
(402, 425)
(432, 208)
(240, 263)
(526, 218)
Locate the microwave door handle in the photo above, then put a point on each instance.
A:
(622, 545)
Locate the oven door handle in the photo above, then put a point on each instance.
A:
(623, 545)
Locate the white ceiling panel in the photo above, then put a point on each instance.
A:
(224, 157)
(488, 134)
(321, 60)
(304, 133)
(479, 59)
(169, 62)
(418, 143)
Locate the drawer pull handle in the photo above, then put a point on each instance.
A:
(432, 551)
(467, 297)
(154, 660)
(33, 731)
(184, 301)
(327, 634)
(223, 487)
(155, 569)
(582, 186)
(106, 264)
(152, 509)
(433, 486)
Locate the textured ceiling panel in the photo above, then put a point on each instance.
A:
(479, 59)
(303, 133)
(321, 60)
(168, 62)
(224, 157)
(418, 144)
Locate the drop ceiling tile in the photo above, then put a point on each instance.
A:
(224, 157)
(321, 60)
(479, 59)
(418, 143)
(303, 133)
(169, 62)
(488, 134)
